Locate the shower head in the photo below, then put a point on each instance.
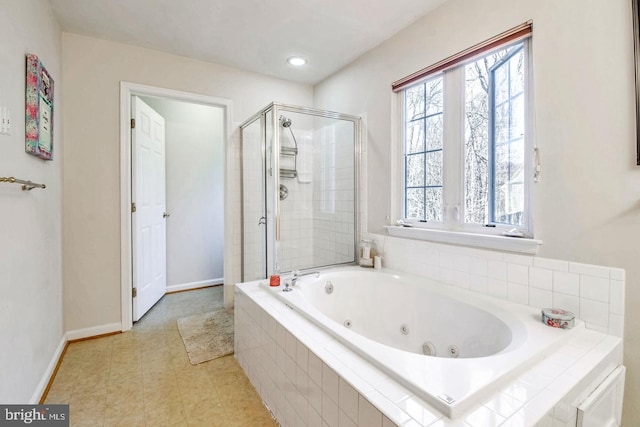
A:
(285, 122)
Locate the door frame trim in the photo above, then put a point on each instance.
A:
(127, 90)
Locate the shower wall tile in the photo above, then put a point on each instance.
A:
(233, 237)
(617, 274)
(596, 288)
(479, 284)
(595, 312)
(333, 189)
(589, 270)
(478, 266)
(616, 297)
(595, 294)
(518, 274)
(566, 283)
(551, 264)
(497, 288)
(540, 297)
(518, 293)
(518, 259)
(497, 270)
(541, 278)
(616, 325)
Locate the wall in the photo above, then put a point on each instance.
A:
(93, 70)
(31, 325)
(195, 192)
(586, 206)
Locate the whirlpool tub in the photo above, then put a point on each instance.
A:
(449, 346)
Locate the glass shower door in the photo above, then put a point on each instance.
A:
(299, 190)
(318, 213)
(254, 232)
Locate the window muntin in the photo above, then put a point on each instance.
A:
(423, 151)
(507, 110)
(491, 185)
(494, 138)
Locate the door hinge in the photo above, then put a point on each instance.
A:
(133, 207)
(133, 123)
(134, 292)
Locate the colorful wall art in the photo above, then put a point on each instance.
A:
(39, 110)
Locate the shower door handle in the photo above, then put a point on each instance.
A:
(262, 221)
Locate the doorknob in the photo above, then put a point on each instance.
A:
(262, 220)
(166, 215)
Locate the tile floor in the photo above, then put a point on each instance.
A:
(144, 378)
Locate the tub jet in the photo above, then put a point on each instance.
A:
(428, 349)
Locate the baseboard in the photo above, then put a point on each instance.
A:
(78, 334)
(93, 331)
(195, 285)
(46, 376)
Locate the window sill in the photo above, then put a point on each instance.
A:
(486, 241)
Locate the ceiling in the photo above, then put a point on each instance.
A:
(254, 35)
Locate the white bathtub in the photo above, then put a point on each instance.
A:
(388, 318)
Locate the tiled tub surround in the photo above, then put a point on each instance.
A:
(308, 378)
(593, 293)
(494, 339)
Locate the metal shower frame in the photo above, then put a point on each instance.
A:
(276, 109)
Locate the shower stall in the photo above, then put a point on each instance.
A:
(300, 169)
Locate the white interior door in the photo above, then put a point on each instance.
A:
(148, 218)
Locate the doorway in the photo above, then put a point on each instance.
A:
(178, 107)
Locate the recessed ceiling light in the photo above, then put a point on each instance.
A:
(297, 61)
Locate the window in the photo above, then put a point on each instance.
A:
(466, 144)
(423, 151)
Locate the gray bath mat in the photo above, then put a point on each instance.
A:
(207, 336)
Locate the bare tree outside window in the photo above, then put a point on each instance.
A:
(423, 151)
(493, 141)
(494, 138)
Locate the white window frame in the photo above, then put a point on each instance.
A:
(453, 229)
